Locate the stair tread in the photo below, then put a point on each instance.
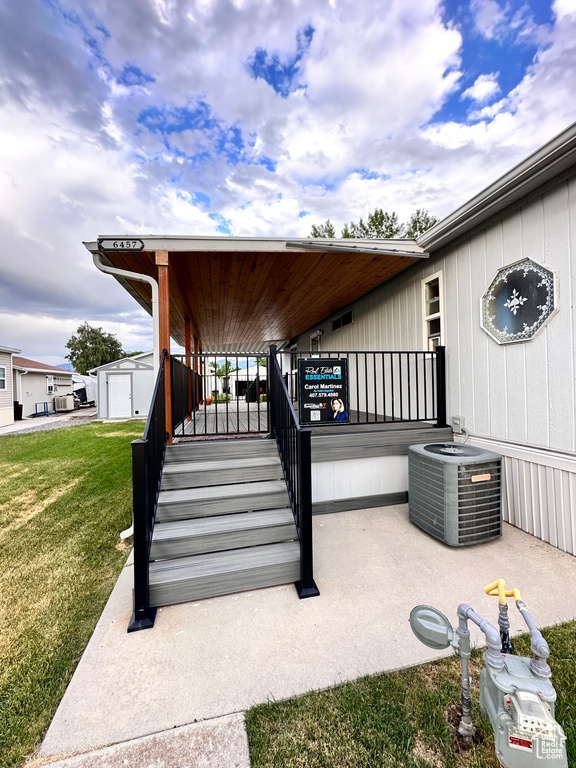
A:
(218, 449)
(216, 465)
(202, 526)
(236, 490)
(214, 563)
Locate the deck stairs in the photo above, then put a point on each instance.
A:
(224, 522)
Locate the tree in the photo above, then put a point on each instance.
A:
(419, 222)
(380, 224)
(223, 369)
(323, 230)
(90, 347)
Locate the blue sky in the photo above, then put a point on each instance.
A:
(245, 117)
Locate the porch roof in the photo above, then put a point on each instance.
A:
(246, 291)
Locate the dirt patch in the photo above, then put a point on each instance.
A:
(10, 472)
(27, 506)
(453, 716)
(121, 434)
(423, 751)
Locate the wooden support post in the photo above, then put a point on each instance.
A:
(164, 317)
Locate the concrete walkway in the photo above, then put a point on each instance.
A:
(39, 423)
(215, 658)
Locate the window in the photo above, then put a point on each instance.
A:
(433, 311)
(50, 388)
(2, 378)
(342, 320)
(315, 341)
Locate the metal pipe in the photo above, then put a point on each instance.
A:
(492, 656)
(466, 729)
(141, 279)
(538, 645)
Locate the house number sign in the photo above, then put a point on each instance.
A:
(519, 302)
(120, 244)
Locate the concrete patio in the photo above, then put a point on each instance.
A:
(219, 657)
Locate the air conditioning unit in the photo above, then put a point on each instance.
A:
(64, 402)
(455, 492)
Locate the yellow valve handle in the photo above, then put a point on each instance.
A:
(498, 588)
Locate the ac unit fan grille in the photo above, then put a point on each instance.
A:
(427, 496)
(479, 503)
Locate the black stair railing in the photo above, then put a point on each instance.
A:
(294, 447)
(147, 461)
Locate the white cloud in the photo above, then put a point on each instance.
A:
(360, 129)
(490, 18)
(484, 88)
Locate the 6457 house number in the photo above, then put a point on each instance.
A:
(120, 245)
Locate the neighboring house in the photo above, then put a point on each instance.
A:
(7, 397)
(37, 384)
(125, 387)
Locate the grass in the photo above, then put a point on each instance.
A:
(405, 719)
(65, 495)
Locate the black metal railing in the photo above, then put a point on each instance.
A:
(384, 386)
(147, 462)
(219, 394)
(294, 447)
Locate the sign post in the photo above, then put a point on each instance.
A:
(323, 391)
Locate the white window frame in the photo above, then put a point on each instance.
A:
(50, 386)
(3, 385)
(427, 317)
(315, 342)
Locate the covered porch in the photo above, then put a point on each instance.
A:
(224, 299)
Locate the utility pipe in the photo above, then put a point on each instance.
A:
(137, 276)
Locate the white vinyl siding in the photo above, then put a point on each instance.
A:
(521, 392)
(6, 398)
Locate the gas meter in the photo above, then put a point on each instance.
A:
(515, 692)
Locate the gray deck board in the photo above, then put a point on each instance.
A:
(221, 573)
(237, 490)
(218, 464)
(202, 535)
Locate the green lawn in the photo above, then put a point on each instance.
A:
(405, 719)
(65, 495)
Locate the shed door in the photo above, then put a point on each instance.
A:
(119, 396)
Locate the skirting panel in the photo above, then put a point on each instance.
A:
(359, 502)
(542, 501)
(539, 491)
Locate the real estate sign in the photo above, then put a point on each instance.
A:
(323, 391)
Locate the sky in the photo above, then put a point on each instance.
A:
(249, 117)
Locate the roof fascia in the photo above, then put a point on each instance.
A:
(271, 244)
(10, 350)
(549, 161)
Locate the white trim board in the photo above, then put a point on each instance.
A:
(534, 454)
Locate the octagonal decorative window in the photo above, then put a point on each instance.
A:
(519, 302)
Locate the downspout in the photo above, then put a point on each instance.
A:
(154, 287)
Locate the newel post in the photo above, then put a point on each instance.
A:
(441, 387)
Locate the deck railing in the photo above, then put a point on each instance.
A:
(219, 394)
(147, 462)
(384, 386)
(294, 447)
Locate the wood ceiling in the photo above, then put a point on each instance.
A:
(254, 296)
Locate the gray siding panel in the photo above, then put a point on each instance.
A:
(524, 393)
